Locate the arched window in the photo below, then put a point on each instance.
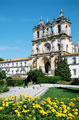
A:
(59, 29)
(37, 34)
(66, 26)
(47, 29)
(66, 48)
(48, 47)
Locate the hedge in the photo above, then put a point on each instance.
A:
(75, 81)
(1, 82)
(48, 79)
(15, 82)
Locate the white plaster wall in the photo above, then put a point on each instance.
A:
(72, 72)
(34, 49)
(65, 30)
(55, 45)
(55, 30)
(40, 34)
(67, 42)
(9, 66)
(73, 66)
(35, 35)
(70, 59)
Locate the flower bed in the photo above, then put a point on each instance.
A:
(29, 108)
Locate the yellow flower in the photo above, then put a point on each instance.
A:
(43, 103)
(65, 111)
(1, 108)
(30, 115)
(67, 98)
(77, 98)
(32, 99)
(64, 106)
(25, 111)
(43, 112)
(19, 107)
(68, 108)
(25, 106)
(53, 110)
(18, 114)
(23, 93)
(34, 118)
(62, 102)
(70, 115)
(6, 104)
(75, 113)
(72, 104)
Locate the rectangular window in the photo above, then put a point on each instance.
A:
(25, 63)
(74, 60)
(7, 64)
(21, 63)
(16, 64)
(37, 34)
(74, 71)
(59, 29)
(12, 64)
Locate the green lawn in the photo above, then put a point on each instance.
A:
(62, 93)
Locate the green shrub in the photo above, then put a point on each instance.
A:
(11, 82)
(48, 79)
(75, 81)
(64, 82)
(4, 88)
(1, 82)
(19, 81)
(15, 82)
(8, 78)
(34, 74)
(2, 75)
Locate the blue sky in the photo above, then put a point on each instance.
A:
(18, 17)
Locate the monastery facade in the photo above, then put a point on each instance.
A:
(50, 41)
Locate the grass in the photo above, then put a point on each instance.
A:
(62, 93)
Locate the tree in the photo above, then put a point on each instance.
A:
(63, 70)
(2, 75)
(34, 74)
(1, 59)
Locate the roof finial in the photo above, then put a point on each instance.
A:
(61, 13)
(47, 20)
(41, 20)
(78, 43)
(61, 10)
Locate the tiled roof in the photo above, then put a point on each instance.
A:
(14, 60)
(70, 54)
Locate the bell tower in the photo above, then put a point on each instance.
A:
(61, 25)
(62, 31)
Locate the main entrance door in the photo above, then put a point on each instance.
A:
(47, 67)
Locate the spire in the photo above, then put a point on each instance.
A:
(78, 43)
(61, 13)
(47, 20)
(41, 20)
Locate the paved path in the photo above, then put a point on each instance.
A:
(33, 90)
(30, 91)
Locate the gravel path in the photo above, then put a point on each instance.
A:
(33, 90)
